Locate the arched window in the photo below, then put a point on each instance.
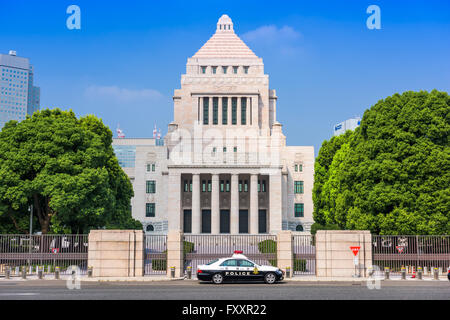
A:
(150, 228)
(299, 227)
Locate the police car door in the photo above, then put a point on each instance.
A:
(230, 269)
(248, 270)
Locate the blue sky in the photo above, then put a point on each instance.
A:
(325, 64)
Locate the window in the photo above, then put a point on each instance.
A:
(150, 228)
(298, 187)
(246, 69)
(227, 187)
(235, 69)
(229, 263)
(222, 189)
(214, 70)
(245, 263)
(151, 167)
(224, 70)
(205, 110)
(215, 110)
(233, 110)
(203, 69)
(240, 185)
(187, 185)
(224, 149)
(262, 186)
(235, 149)
(224, 110)
(245, 186)
(151, 186)
(299, 227)
(150, 210)
(203, 185)
(298, 167)
(243, 111)
(209, 185)
(299, 210)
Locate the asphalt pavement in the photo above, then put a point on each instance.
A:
(195, 290)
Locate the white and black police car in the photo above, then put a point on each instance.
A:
(238, 268)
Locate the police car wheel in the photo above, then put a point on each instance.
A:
(217, 278)
(270, 278)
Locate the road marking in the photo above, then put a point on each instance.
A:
(19, 294)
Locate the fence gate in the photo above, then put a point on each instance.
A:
(155, 254)
(201, 249)
(304, 255)
(427, 252)
(44, 251)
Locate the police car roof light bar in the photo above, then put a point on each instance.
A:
(238, 252)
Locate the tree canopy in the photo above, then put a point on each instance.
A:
(392, 174)
(66, 168)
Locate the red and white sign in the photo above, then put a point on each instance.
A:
(355, 250)
(400, 248)
(55, 250)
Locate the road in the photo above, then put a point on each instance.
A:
(193, 290)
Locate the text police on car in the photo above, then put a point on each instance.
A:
(238, 267)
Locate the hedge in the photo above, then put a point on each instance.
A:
(161, 264)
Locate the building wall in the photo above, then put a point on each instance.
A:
(193, 147)
(18, 96)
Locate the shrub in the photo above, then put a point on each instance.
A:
(188, 247)
(300, 265)
(159, 264)
(267, 246)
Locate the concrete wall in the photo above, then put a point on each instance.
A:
(334, 257)
(116, 253)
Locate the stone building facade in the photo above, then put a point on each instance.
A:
(224, 166)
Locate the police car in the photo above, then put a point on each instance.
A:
(238, 267)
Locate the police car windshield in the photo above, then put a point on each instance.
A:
(211, 262)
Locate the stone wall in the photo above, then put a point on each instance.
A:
(334, 257)
(116, 253)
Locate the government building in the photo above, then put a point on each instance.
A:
(224, 166)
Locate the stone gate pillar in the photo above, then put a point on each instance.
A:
(334, 257)
(116, 253)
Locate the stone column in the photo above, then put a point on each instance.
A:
(234, 212)
(248, 121)
(285, 250)
(196, 212)
(175, 253)
(238, 111)
(254, 204)
(275, 211)
(215, 205)
(174, 205)
(230, 112)
(219, 114)
(255, 111)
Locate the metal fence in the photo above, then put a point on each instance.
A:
(48, 251)
(304, 255)
(155, 254)
(201, 249)
(395, 252)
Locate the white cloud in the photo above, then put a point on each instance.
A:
(116, 93)
(271, 34)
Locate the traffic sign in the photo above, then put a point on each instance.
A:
(400, 248)
(355, 250)
(55, 250)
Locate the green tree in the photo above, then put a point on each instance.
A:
(393, 175)
(66, 168)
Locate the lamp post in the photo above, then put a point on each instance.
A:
(31, 232)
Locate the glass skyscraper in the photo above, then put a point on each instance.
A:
(18, 96)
